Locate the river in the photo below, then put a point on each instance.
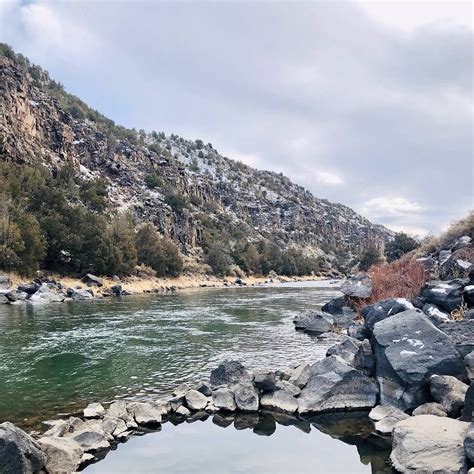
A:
(56, 358)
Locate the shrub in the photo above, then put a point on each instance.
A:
(177, 202)
(152, 180)
(218, 259)
(399, 246)
(370, 257)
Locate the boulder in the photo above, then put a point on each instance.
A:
(4, 299)
(279, 400)
(299, 377)
(223, 399)
(449, 392)
(79, 294)
(335, 306)
(431, 408)
(29, 288)
(229, 372)
(245, 396)
(346, 350)
(458, 265)
(92, 280)
(19, 453)
(333, 385)
(315, 322)
(16, 295)
(287, 387)
(62, 454)
(461, 334)
(385, 417)
(195, 400)
(204, 388)
(468, 410)
(469, 295)
(5, 282)
(358, 286)
(469, 443)
(408, 349)
(146, 413)
(264, 380)
(116, 290)
(469, 363)
(364, 359)
(381, 310)
(435, 314)
(94, 410)
(428, 443)
(91, 441)
(47, 293)
(357, 330)
(445, 294)
(183, 411)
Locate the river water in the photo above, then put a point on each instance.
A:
(56, 358)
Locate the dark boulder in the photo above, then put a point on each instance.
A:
(445, 294)
(469, 443)
(19, 453)
(357, 286)
(16, 295)
(376, 312)
(335, 305)
(116, 290)
(449, 392)
(92, 280)
(461, 334)
(29, 288)
(346, 350)
(314, 323)
(435, 314)
(264, 380)
(469, 295)
(364, 359)
(229, 372)
(468, 409)
(408, 350)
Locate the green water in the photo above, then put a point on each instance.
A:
(57, 358)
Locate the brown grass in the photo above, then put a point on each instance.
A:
(399, 279)
(459, 313)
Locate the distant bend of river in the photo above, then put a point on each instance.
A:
(56, 358)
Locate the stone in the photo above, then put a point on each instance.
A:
(431, 408)
(93, 410)
(358, 286)
(5, 282)
(183, 411)
(92, 280)
(47, 293)
(116, 290)
(223, 399)
(91, 441)
(16, 295)
(62, 454)
(449, 392)
(364, 359)
(408, 349)
(469, 294)
(357, 330)
(79, 294)
(444, 294)
(287, 387)
(346, 350)
(461, 334)
(279, 400)
(428, 443)
(146, 413)
(19, 452)
(4, 299)
(109, 424)
(334, 385)
(386, 417)
(195, 400)
(264, 380)
(245, 396)
(334, 306)
(469, 443)
(315, 322)
(435, 314)
(29, 288)
(229, 372)
(204, 388)
(121, 427)
(299, 377)
(469, 363)
(468, 409)
(381, 310)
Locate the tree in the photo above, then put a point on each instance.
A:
(122, 236)
(370, 257)
(399, 246)
(34, 244)
(218, 259)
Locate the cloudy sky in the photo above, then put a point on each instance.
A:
(365, 103)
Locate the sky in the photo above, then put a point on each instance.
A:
(365, 103)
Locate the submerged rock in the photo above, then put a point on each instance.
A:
(428, 443)
(409, 349)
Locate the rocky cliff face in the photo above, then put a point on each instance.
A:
(39, 122)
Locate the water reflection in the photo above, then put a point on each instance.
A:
(342, 442)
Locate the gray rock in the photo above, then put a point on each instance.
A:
(16, 295)
(183, 411)
(435, 314)
(364, 359)
(446, 295)
(79, 294)
(357, 331)
(4, 299)
(443, 256)
(279, 400)
(461, 334)
(428, 443)
(116, 290)
(469, 363)
(469, 294)
(386, 417)
(29, 288)
(47, 293)
(383, 309)
(223, 399)
(334, 306)
(229, 372)
(408, 349)
(121, 427)
(468, 410)
(264, 380)
(315, 322)
(449, 392)
(346, 350)
(204, 388)
(334, 385)
(62, 454)
(357, 286)
(146, 413)
(299, 377)
(92, 280)
(19, 453)
(5, 282)
(94, 410)
(431, 408)
(287, 387)
(109, 424)
(91, 441)
(195, 400)
(245, 396)
(469, 443)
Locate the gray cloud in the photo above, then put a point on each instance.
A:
(377, 118)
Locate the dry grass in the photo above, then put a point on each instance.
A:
(460, 312)
(400, 279)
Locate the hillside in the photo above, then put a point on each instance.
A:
(192, 194)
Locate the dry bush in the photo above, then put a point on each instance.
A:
(460, 312)
(399, 279)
